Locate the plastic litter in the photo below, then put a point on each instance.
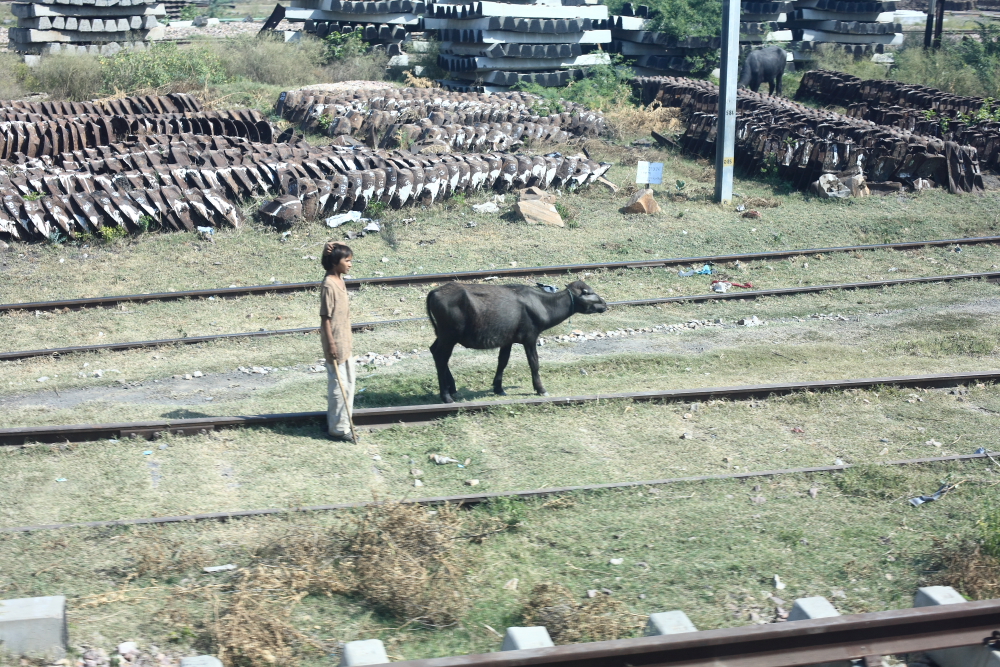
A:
(703, 271)
(206, 230)
(937, 495)
(373, 227)
(219, 568)
(488, 207)
(551, 289)
(61, 479)
(441, 460)
(342, 218)
(148, 452)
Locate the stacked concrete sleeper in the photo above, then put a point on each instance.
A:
(84, 26)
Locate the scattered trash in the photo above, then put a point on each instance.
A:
(148, 452)
(722, 286)
(376, 457)
(343, 218)
(441, 460)
(740, 208)
(981, 450)
(813, 492)
(551, 289)
(471, 224)
(206, 232)
(752, 214)
(616, 561)
(705, 270)
(487, 207)
(511, 585)
(472, 482)
(798, 429)
(937, 495)
(778, 583)
(44, 378)
(163, 446)
(749, 322)
(197, 374)
(591, 593)
(417, 482)
(373, 227)
(61, 479)
(687, 435)
(838, 462)
(933, 443)
(219, 568)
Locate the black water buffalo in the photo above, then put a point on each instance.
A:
(764, 65)
(484, 317)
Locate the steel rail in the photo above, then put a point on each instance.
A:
(473, 499)
(840, 638)
(410, 414)
(525, 272)
(359, 326)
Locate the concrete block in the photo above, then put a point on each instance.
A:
(805, 609)
(34, 626)
(964, 656)
(364, 652)
(201, 661)
(669, 623)
(518, 639)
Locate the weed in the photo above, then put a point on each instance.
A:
(989, 530)
(375, 209)
(111, 234)
(68, 77)
(570, 620)
(270, 60)
(340, 46)
(188, 13)
(146, 222)
(13, 76)
(871, 481)
(161, 65)
(159, 556)
(602, 87)
(565, 212)
(681, 18)
(33, 196)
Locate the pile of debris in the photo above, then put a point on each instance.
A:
(85, 26)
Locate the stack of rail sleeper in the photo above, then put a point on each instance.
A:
(804, 143)
(912, 107)
(859, 28)
(84, 26)
(382, 22)
(431, 119)
(490, 46)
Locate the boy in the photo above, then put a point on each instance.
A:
(335, 331)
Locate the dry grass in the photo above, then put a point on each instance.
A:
(570, 620)
(159, 555)
(631, 120)
(762, 202)
(417, 81)
(256, 631)
(968, 570)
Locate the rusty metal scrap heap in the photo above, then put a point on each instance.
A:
(912, 107)
(69, 181)
(804, 143)
(429, 117)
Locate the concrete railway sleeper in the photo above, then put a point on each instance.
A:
(473, 499)
(416, 414)
(804, 143)
(318, 180)
(365, 326)
(523, 272)
(23, 110)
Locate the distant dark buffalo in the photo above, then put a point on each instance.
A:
(484, 317)
(764, 65)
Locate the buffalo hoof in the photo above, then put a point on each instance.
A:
(499, 392)
(445, 398)
(543, 393)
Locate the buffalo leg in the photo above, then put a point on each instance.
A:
(501, 365)
(531, 351)
(446, 381)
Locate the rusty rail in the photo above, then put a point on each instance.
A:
(525, 272)
(411, 414)
(362, 326)
(473, 499)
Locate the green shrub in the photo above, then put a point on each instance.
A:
(13, 74)
(681, 18)
(111, 234)
(602, 87)
(160, 66)
(67, 77)
(272, 60)
(989, 529)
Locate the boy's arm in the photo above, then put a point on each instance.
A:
(329, 346)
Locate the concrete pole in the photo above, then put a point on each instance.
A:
(726, 127)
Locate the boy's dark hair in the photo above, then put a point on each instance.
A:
(333, 252)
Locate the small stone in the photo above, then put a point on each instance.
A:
(591, 593)
(198, 374)
(187, 376)
(606, 591)
(758, 500)
(44, 378)
(417, 483)
(376, 457)
(126, 648)
(472, 482)
(642, 202)
(813, 492)
(616, 561)
(488, 207)
(511, 585)
(687, 415)
(687, 435)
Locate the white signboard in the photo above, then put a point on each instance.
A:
(649, 172)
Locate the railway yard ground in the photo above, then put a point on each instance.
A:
(711, 548)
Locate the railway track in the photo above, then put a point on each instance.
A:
(525, 272)
(476, 498)
(362, 326)
(415, 414)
